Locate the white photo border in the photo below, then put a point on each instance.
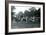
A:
(25, 29)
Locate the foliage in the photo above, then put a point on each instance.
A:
(33, 12)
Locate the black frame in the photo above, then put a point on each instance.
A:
(6, 16)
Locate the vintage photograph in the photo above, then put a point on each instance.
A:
(25, 17)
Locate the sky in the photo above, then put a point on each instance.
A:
(23, 7)
(18, 9)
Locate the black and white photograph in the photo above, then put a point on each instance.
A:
(24, 17)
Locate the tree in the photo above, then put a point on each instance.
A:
(37, 13)
(32, 10)
(12, 13)
(26, 13)
(20, 15)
